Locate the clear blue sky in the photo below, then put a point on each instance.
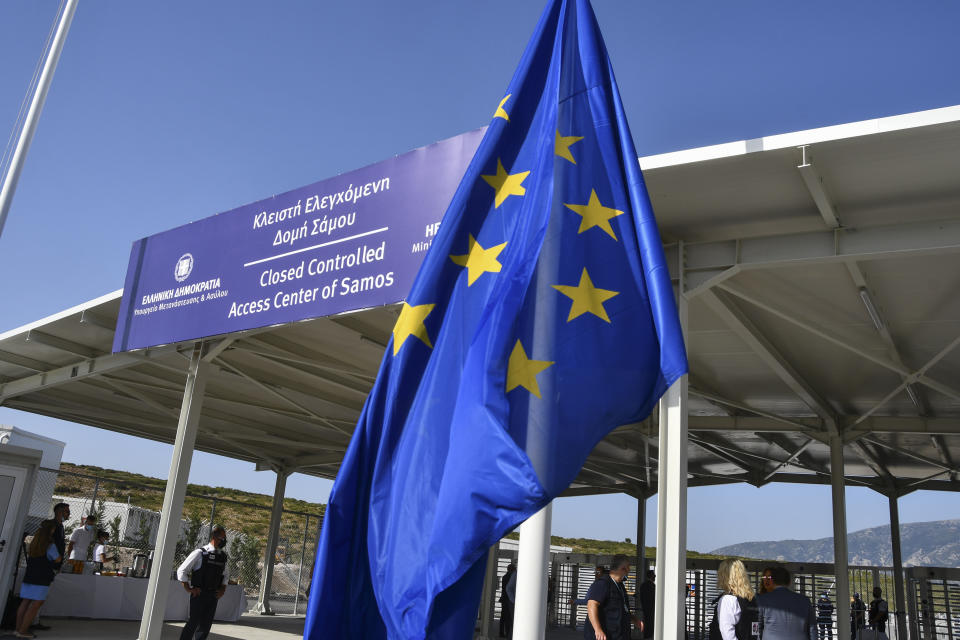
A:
(163, 113)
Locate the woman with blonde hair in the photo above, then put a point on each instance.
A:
(42, 556)
(735, 613)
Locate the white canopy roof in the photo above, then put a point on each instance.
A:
(821, 269)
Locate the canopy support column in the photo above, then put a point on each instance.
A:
(641, 529)
(276, 513)
(671, 585)
(672, 514)
(899, 604)
(155, 604)
(530, 611)
(840, 569)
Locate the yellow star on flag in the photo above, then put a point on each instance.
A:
(595, 214)
(586, 298)
(479, 260)
(410, 323)
(506, 184)
(501, 112)
(561, 146)
(522, 371)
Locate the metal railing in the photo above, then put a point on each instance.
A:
(932, 608)
(130, 512)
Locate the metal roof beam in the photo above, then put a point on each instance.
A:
(24, 362)
(722, 452)
(278, 394)
(717, 399)
(814, 181)
(873, 461)
(789, 461)
(753, 423)
(831, 336)
(93, 320)
(711, 263)
(71, 372)
(913, 377)
(62, 344)
(800, 458)
(911, 454)
(880, 324)
(944, 452)
(146, 398)
(746, 330)
(283, 366)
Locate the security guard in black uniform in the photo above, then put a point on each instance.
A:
(204, 575)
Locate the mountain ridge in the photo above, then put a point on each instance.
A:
(923, 544)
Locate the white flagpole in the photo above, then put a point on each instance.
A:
(530, 614)
(33, 115)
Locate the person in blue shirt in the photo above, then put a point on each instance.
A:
(608, 607)
(42, 556)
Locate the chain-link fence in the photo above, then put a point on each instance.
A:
(129, 512)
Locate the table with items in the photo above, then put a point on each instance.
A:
(122, 598)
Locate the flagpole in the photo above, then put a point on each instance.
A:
(33, 114)
(530, 608)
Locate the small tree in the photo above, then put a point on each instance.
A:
(141, 540)
(190, 539)
(115, 539)
(244, 559)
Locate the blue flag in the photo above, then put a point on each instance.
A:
(542, 317)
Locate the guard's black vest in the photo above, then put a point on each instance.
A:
(614, 615)
(210, 574)
(747, 628)
(39, 571)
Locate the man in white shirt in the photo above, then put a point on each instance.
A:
(204, 574)
(79, 546)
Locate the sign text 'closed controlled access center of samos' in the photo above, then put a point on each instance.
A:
(342, 244)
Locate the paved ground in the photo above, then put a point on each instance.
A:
(249, 627)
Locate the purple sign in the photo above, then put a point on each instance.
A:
(347, 243)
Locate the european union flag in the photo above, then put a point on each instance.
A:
(543, 317)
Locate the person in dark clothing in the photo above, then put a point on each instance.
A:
(879, 611)
(204, 575)
(608, 608)
(42, 555)
(825, 617)
(647, 594)
(858, 615)
(786, 614)
(61, 512)
(506, 610)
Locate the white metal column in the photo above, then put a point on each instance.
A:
(840, 569)
(266, 581)
(672, 515)
(530, 611)
(641, 542)
(156, 602)
(899, 603)
(670, 598)
(33, 114)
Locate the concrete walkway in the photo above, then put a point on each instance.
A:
(249, 627)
